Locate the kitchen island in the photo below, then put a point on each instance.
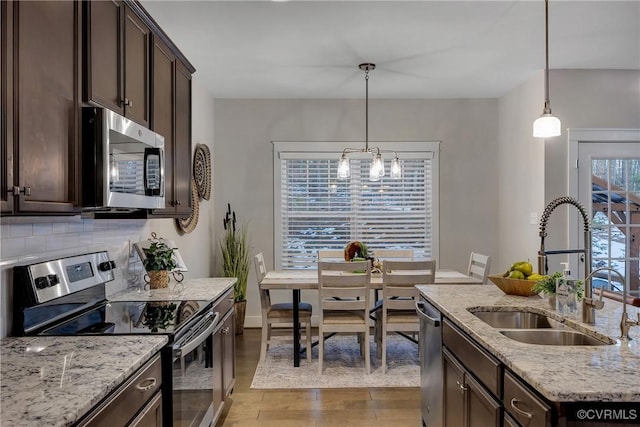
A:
(54, 381)
(559, 376)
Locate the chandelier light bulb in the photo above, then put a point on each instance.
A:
(396, 171)
(376, 170)
(344, 169)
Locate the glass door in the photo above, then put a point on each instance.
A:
(609, 186)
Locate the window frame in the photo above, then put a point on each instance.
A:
(319, 150)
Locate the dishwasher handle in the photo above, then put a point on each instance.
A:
(421, 309)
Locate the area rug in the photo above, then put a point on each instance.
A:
(343, 366)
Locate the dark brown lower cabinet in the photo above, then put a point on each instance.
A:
(467, 403)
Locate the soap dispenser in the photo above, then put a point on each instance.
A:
(566, 292)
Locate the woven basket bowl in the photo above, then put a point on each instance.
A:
(518, 287)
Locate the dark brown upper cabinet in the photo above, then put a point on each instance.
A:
(171, 118)
(117, 55)
(40, 96)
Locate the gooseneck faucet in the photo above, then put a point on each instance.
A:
(625, 322)
(588, 303)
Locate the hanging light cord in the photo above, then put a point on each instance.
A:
(366, 110)
(547, 106)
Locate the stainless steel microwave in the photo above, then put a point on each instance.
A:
(122, 163)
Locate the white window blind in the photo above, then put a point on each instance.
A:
(315, 210)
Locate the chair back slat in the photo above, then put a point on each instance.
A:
(335, 254)
(382, 254)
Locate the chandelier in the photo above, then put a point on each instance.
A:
(376, 168)
(547, 125)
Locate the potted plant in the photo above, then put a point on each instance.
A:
(547, 286)
(158, 262)
(235, 263)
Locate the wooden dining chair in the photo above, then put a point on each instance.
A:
(279, 315)
(343, 289)
(399, 293)
(479, 266)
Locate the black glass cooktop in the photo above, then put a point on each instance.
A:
(131, 317)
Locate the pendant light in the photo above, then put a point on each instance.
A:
(376, 168)
(547, 125)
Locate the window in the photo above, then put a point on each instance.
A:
(315, 210)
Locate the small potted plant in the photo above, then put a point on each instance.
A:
(547, 286)
(158, 262)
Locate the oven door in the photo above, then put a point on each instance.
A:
(192, 373)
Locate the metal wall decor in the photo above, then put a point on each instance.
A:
(202, 170)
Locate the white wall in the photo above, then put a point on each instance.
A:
(467, 129)
(534, 172)
(26, 240)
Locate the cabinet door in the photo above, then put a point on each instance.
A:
(182, 152)
(229, 362)
(454, 391)
(218, 375)
(482, 409)
(103, 83)
(163, 113)
(137, 41)
(6, 73)
(46, 97)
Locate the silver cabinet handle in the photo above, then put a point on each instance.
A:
(529, 415)
(17, 190)
(146, 384)
(461, 387)
(225, 330)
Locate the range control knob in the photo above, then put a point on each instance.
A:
(107, 265)
(46, 281)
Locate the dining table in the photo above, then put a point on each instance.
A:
(298, 280)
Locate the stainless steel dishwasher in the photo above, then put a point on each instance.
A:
(430, 364)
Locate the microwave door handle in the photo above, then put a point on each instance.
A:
(189, 346)
(149, 152)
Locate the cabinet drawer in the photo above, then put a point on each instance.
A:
(523, 405)
(120, 407)
(484, 366)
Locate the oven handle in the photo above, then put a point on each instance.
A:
(181, 348)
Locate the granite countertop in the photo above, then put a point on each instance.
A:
(559, 373)
(208, 288)
(53, 381)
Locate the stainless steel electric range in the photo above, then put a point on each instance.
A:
(67, 296)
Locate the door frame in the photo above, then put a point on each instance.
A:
(575, 137)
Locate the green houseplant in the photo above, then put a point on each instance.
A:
(158, 262)
(235, 263)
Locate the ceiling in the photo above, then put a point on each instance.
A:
(422, 49)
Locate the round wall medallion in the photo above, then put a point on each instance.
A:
(202, 170)
(189, 224)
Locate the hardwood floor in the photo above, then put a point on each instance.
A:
(358, 407)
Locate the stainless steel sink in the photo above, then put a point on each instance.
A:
(554, 337)
(516, 319)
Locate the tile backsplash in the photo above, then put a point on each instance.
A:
(29, 240)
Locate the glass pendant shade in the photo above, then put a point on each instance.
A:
(546, 126)
(396, 171)
(344, 169)
(376, 171)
